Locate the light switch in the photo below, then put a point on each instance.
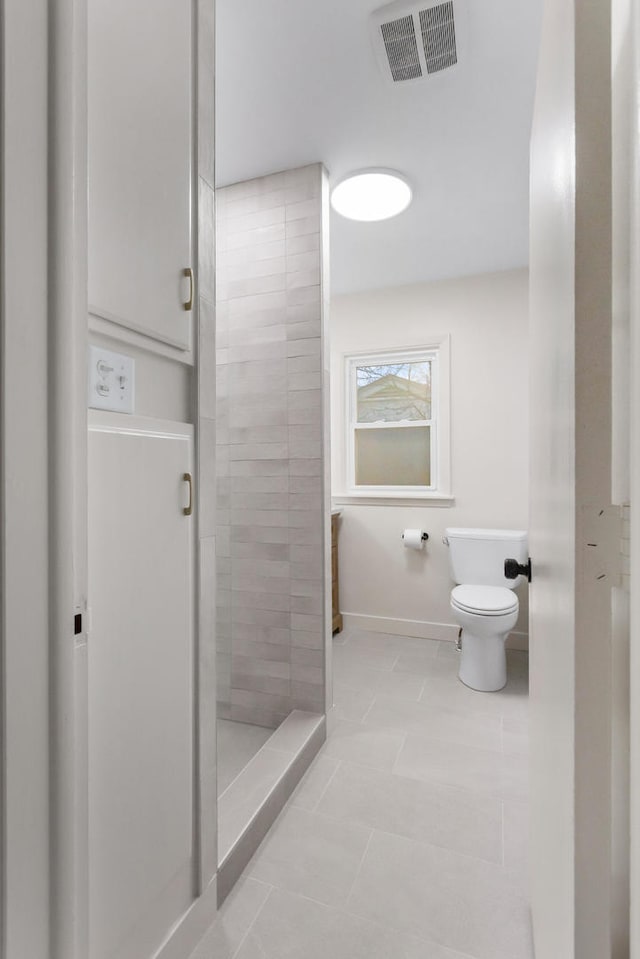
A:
(111, 380)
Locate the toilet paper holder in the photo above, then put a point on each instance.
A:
(424, 537)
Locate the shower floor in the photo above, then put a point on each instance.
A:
(237, 745)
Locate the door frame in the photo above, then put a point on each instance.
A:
(25, 469)
(634, 572)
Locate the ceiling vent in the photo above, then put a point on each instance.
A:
(415, 41)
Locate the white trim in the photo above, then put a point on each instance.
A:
(122, 334)
(394, 499)
(436, 351)
(421, 629)
(101, 421)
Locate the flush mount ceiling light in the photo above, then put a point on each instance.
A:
(371, 195)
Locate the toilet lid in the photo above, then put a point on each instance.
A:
(487, 600)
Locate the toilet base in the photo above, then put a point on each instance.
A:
(483, 662)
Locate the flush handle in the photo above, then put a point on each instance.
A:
(513, 569)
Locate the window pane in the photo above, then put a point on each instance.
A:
(388, 457)
(395, 391)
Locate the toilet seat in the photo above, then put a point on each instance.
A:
(484, 600)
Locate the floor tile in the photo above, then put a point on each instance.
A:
(405, 687)
(457, 901)
(451, 693)
(466, 767)
(448, 650)
(454, 818)
(351, 704)
(290, 927)
(427, 664)
(356, 674)
(516, 843)
(364, 744)
(233, 921)
(518, 661)
(312, 855)
(346, 656)
(515, 736)
(314, 783)
(437, 722)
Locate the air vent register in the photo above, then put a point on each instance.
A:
(416, 41)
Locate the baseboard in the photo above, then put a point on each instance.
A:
(448, 632)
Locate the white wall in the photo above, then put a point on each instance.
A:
(486, 317)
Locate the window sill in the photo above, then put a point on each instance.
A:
(394, 499)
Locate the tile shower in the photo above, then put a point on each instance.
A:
(273, 507)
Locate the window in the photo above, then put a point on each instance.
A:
(397, 431)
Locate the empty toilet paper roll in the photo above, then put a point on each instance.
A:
(414, 538)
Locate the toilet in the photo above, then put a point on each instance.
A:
(483, 602)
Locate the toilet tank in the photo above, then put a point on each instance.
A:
(476, 556)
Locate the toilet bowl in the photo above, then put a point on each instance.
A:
(487, 614)
(483, 603)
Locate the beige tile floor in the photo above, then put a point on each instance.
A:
(407, 837)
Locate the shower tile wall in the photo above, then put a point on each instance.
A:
(272, 497)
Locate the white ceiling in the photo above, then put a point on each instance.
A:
(298, 82)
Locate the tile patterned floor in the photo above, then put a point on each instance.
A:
(407, 838)
(237, 745)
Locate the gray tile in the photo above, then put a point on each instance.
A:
(464, 903)
(314, 783)
(311, 855)
(448, 692)
(518, 662)
(302, 244)
(250, 254)
(233, 921)
(294, 732)
(515, 736)
(290, 927)
(378, 657)
(351, 704)
(247, 792)
(456, 819)
(360, 744)
(353, 674)
(254, 221)
(436, 722)
(427, 664)
(466, 767)
(238, 743)
(516, 842)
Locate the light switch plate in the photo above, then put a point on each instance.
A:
(111, 381)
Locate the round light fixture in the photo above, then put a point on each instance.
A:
(371, 195)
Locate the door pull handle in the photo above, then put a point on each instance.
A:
(188, 272)
(188, 510)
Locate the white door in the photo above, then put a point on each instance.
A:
(140, 699)
(570, 351)
(140, 118)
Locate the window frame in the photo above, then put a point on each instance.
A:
(437, 353)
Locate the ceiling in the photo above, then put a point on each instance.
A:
(298, 82)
